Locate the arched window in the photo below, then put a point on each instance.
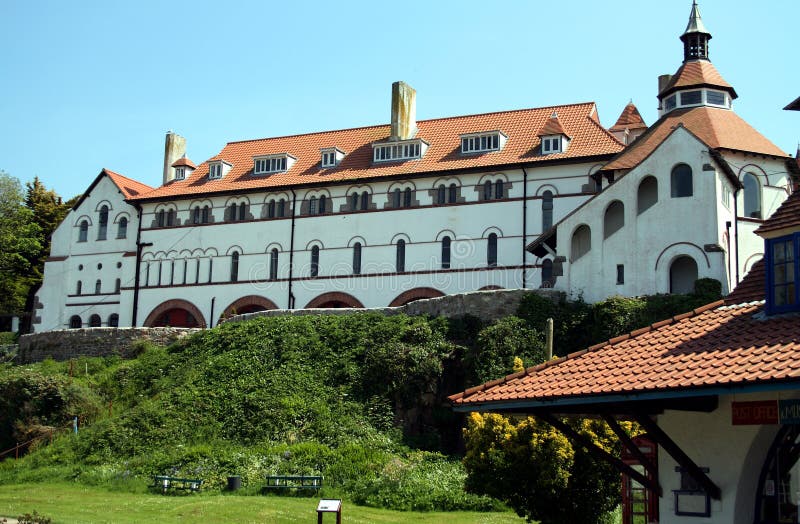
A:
(547, 210)
(273, 264)
(446, 253)
(487, 190)
(322, 204)
(315, 261)
(547, 273)
(97, 286)
(83, 233)
(364, 201)
(113, 320)
(78, 288)
(681, 181)
(196, 215)
(160, 218)
(242, 211)
(491, 251)
(452, 193)
(614, 218)
(102, 231)
(581, 242)
(122, 228)
(499, 189)
(235, 266)
(682, 275)
(752, 196)
(354, 202)
(171, 217)
(117, 285)
(75, 322)
(94, 321)
(441, 194)
(400, 258)
(282, 208)
(232, 212)
(397, 198)
(312, 206)
(357, 258)
(271, 209)
(206, 216)
(647, 195)
(407, 197)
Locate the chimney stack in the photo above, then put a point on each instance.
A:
(174, 148)
(404, 111)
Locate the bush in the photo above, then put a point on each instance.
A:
(498, 345)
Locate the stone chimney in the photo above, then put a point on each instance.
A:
(404, 111)
(174, 148)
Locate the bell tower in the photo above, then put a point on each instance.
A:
(695, 38)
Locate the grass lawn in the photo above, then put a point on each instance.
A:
(73, 503)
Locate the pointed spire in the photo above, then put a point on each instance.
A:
(629, 119)
(695, 38)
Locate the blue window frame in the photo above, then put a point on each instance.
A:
(783, 267)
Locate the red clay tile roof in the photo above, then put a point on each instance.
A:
(521, 126)
(712, 346)
(184, 162)
(752, 287)
(629, 119)
(129, 187)
(696, 73)
(787, 216)
(552, 127)
(716, 127)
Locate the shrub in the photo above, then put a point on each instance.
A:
(497, 347)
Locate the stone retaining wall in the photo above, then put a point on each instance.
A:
(486, 305)
(64, 344)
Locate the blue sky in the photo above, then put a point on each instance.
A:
(89, 84)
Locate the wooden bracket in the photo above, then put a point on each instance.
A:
(628, 443)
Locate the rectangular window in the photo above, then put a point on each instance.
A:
(397, 151)
(270, 165)
(716, 98)
(180, 173)
(669, 103)
(782, 271)
(481, 143)
(329, 158)
(690, 98)
(551, 145)
(620, 274)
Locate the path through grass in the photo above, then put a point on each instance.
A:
(76, 504)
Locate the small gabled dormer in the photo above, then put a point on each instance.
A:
(331, 157)
(218, 169)
(268, 164)
(183, 168)
(781, 235)
(554, 137)
(484, 142)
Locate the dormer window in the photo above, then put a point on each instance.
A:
(551, 144)
(402, 150)
(697, 97)
(273, 163)
(783, 268)
(331, 157)
(180, 173)
(482, 142)
(218, 169)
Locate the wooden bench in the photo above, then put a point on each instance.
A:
(298, 482)
(166, 484)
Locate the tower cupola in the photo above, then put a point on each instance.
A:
(695, 38)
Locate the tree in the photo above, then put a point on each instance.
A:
(537, 471)
(48, 212)
(498, 346)
(20, 237)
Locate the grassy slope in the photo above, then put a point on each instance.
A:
(71, 503)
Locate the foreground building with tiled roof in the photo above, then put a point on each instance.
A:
(717, 389)
(382, 215)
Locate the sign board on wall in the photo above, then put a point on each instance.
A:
(765, 412)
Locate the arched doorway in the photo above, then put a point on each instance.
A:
(778, 493)
(417, 293)
(333, 300)
(248, 304)
(682, 275)
(176, 313)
